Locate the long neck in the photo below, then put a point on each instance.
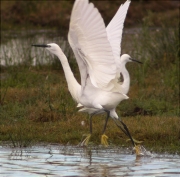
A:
(73, 86)
(126, 82)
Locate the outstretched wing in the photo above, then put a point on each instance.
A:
(115, 29)
(88, 39)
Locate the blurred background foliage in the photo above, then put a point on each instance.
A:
(56, 14)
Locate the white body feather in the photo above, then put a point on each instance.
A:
(97, 51)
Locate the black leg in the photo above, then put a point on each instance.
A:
(119, 126)
(125, 130)
(125, 127)
(105, 125)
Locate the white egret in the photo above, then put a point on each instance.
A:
(114, 34)
(97, 61)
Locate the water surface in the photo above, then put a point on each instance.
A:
(56, 160)
(16, 46)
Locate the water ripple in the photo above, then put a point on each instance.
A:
(55, 160)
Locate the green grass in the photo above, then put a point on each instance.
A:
(35, 105)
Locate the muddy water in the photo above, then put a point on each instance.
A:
(55, 160)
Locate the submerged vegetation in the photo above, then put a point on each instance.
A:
(35, 105)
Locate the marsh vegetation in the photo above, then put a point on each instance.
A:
(35, 105)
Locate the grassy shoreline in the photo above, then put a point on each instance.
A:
(45, 112)
(158, 137)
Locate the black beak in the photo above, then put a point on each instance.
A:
(136, 60)
(40, 45)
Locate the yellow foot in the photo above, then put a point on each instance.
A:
(138, 150)
(86, 140)
(104, 140)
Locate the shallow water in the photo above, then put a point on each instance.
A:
(55, 160)
(16, 46)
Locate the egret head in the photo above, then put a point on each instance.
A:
(52, 47)
(126, 58)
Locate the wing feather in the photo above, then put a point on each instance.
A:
(115, 29)
(88, 39)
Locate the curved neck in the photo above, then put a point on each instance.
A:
(126, 82)
(73, 86)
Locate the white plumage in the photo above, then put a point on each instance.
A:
(97, 51)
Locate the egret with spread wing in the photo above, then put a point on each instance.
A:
(97, 61)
